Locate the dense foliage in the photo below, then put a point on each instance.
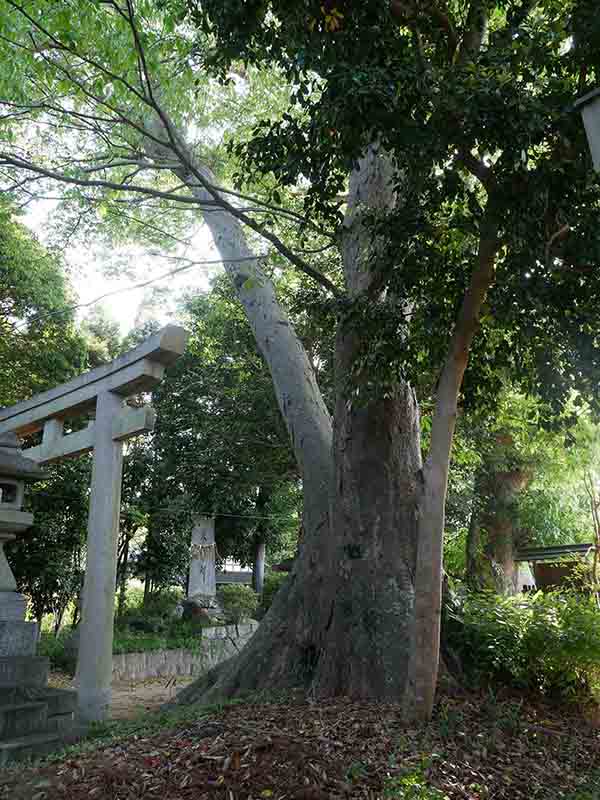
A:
(548, 643)
(39, 345)
(273, 582)
(220, 446)
(492, 104)
(239, 602)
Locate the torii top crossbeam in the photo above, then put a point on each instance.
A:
(138, 370)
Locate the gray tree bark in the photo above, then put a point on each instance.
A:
(258, 566)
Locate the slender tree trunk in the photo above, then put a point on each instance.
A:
(474, 537)
(299, 398)
(147, 588)
(258, 567)
(59, 613)
(76, 611)
(122, 577)
(260, 548)
(428, 607)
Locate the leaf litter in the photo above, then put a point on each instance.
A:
(477, 748)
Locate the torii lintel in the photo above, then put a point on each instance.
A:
(138, 370)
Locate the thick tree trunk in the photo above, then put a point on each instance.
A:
(343, 622)
(375, 498)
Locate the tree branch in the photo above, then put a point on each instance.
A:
(148, 97)
(428, 578)
(475, 31)
(476, 167)
(186, 159)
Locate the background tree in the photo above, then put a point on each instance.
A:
(48, 559)
(102, 337)
(220, 443)
(516, 482)
(39, 345)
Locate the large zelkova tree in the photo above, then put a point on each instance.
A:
(429, 146)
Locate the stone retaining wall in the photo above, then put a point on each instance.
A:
(217, 644)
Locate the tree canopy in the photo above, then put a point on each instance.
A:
(39, 345)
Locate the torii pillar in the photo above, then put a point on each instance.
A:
(102, 391)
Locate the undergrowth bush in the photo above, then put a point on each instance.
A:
(178, 634)
(272, 584)
(54, 648)
(238, 601)
(162, 603)
(549, 643)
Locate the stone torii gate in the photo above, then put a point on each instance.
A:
(101, 393)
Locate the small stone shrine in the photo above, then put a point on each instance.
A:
(33, 718)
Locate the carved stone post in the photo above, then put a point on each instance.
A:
(202, 587)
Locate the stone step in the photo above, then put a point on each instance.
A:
(32, 746)
(10, 696)
(23, 672)
(60, 701)
(60, 723)
(19, 719)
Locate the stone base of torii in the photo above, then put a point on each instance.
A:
(101, 394)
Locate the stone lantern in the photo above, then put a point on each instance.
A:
(589, 106)
(15, 471)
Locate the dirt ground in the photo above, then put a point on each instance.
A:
(131, 699)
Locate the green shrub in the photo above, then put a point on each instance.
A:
(546, 642)
(158, 606)
(54, 648)
(179, 635)
(238, 601)
(273, 582)
(162, 604)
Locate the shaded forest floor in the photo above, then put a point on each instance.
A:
(479, 747)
